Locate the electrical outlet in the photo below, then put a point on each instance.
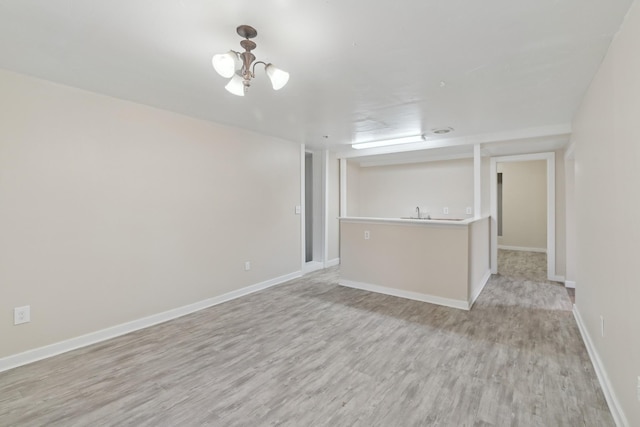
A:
(445, 211)
(638, 388)
(298, 210)
(367, 235)
(247, 265)
(602, 325)
(22, 315)
(469, 211)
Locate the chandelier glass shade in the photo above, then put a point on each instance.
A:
(240, 67)
(226, 64)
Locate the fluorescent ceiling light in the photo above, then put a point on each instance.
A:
(386, 142)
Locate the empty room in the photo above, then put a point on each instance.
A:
(319, 213)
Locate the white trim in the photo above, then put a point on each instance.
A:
(477, 181)
(477, 291)
(312, 266)
(551, 207)
(432, 299)
(522, 248)
(569, 284)
(325, 202)
(556, 278)
(569, 153)
(610, 396)
(332, 263)
(55, 349)
(303, 215)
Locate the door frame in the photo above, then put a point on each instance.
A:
(550, 158)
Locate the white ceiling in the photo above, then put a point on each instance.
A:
(501, 72)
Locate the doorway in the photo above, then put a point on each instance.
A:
(308, 207)
(313, 219)
(550, 246)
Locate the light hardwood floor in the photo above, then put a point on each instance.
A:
(312, 353)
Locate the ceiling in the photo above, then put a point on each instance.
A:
(508, 74)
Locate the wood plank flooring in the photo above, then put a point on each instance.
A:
(312, 353)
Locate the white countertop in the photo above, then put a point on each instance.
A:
(412, 221)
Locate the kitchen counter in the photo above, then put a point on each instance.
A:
(440, 261)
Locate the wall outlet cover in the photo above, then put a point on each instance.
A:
(22, 314)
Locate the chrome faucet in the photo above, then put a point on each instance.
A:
(418, 211)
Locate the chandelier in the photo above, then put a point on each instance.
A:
(240, 67)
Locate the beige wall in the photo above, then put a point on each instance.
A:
(333, 209)
(431, 260)
(395, 191)
(524, 204)
(479, 256)
(606, 136)
(112, 211)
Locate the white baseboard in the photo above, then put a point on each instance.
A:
(448, 302)
(332, 263)
(569, 284)
(522, 248)
(478, 290)
(40, 353)
(614, 405)
(312, 266)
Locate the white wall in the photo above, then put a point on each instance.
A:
(112, 211)
(561, 214)
(606, 136)
(353, 189)
(570, 221)
(395, 191)
(485, 185)
(524, 204)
